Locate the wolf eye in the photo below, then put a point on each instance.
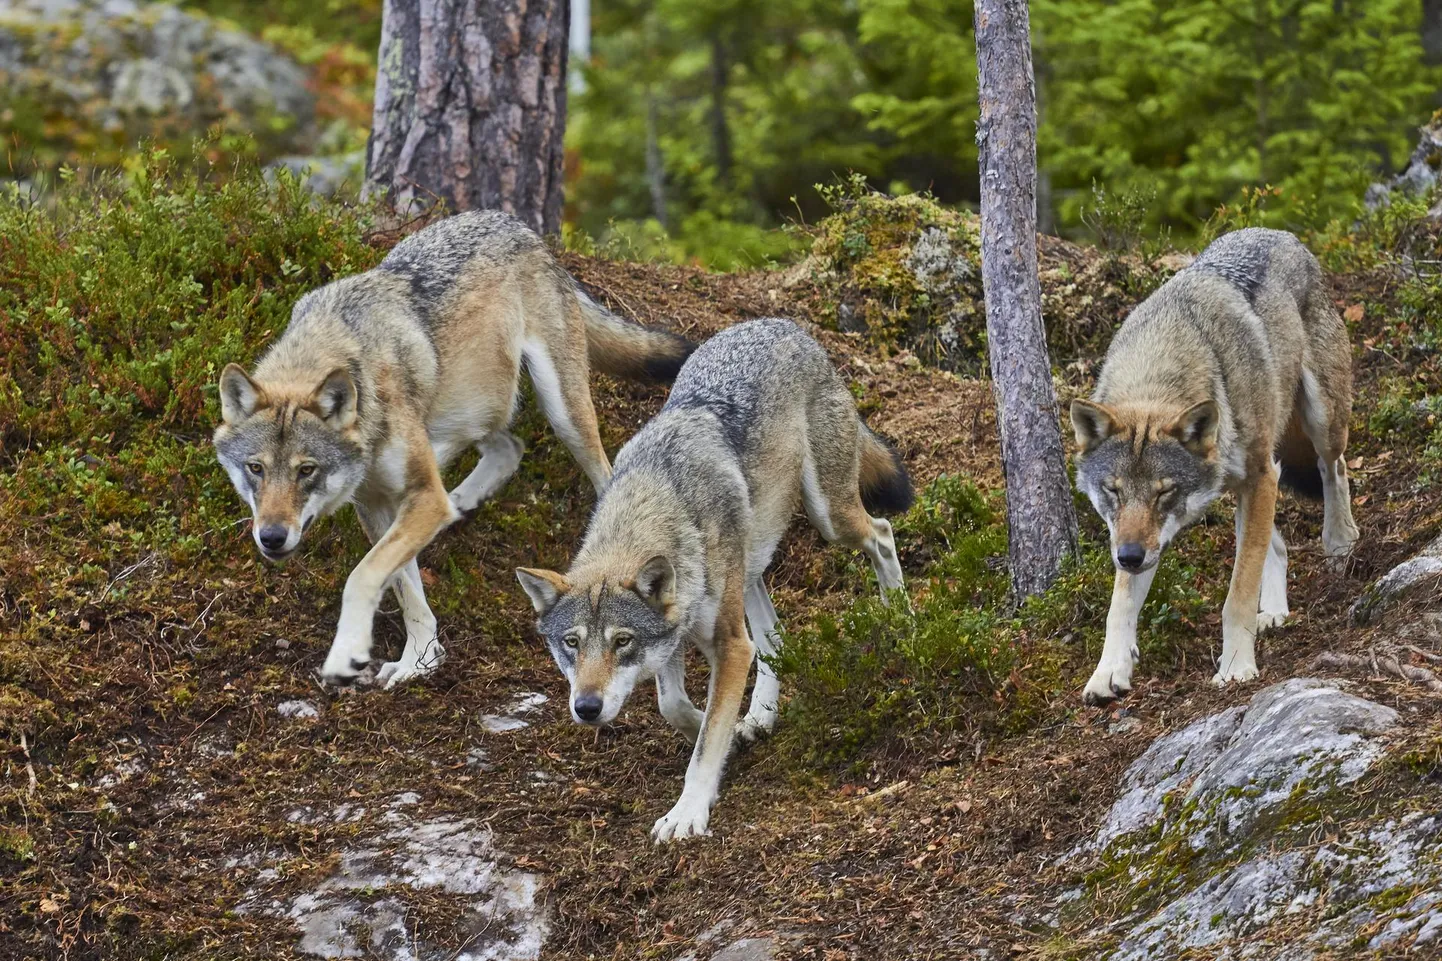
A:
(305, 470)
(623, 641)
(1165, 494)
(572, 641)
(255, 467)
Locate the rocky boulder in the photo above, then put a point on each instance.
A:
(106, 72)
(1245, 835)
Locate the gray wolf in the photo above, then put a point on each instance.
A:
(383, 378)
(757, 424)
(1234, 375)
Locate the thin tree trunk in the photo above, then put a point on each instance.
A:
(720, 132)
(1432, 32)
(470, 106)
(655, 168)
(1040, 518)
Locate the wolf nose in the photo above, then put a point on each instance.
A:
(587, 706)
(1131, 556)
(273, 537)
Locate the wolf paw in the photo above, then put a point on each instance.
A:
(1107, 684)
(393, 673)
(751, 729)
(1238, 673)
(687, 819)
(1270, 621)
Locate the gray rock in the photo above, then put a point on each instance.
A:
(324, 176)
(342, 918)
(748, 949)
(110, 64)
(1424, 569)
(1421, 172)
(516, 716)
(1221, 773)
(297, 709)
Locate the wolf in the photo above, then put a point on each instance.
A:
(383, 378)
(1235, 375)
(757, 424)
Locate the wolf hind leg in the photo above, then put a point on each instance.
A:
(766, 695)
(500, 456)
(1256, 520)
(831, 494)
(564, 393)
(1273, 606)
(1325, 409)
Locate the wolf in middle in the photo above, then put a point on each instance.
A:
(758, 423)
(383, 378)
(1234, 375)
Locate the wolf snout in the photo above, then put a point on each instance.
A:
(588, 707)
(273, 538)
(1131, 557)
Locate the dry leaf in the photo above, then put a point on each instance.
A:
(1354, 313)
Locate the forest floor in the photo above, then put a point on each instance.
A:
(169, 797)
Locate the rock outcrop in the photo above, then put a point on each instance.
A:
(1243, 835)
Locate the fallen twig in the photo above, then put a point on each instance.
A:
(1379, 665)
(29, 766)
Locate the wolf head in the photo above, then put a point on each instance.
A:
(606, 636)
(290, 451)
(1147, 473)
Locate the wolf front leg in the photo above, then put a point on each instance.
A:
(1113, 676)
(424, 512)
(732, 653)
(1256, 515)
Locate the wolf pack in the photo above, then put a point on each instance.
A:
(1235, 375)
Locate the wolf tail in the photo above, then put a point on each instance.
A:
(885, 485)
(623, 349)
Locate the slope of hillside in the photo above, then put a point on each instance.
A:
(178, 785)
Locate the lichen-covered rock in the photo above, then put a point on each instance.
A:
(1212, 848)
(361, 909)
(1217, 777)
(108, 72)
(1415, 572)
(1422, 170)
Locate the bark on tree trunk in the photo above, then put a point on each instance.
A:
(655, 168)
(1039, 514)
(1432, 32)
(470, 106)
(720, 131)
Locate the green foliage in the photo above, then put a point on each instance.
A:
(1191, 103)
(905, 270)
(119, 305)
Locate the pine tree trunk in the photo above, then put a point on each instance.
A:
(1432, 32)
(470, 106)
(720, 129)
(1040, 518)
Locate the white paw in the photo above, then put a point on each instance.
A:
(753, 728)
(1268, 621)
(1108, 683)
(393, 673)
(1239, 672)
(347, 658)
(686, 820)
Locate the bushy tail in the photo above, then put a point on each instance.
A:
(623, 349)
(885, 485)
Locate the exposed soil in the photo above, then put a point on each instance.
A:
(148, 824)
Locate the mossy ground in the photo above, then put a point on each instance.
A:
(144, 647)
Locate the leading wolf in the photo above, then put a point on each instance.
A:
(383, 378)
(757, 424)
(1235, 370)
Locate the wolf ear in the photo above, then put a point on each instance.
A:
(335, 399)
(656, 583)
(545, 588)
(239, 395)
(1093, 423)
(1197, 427)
